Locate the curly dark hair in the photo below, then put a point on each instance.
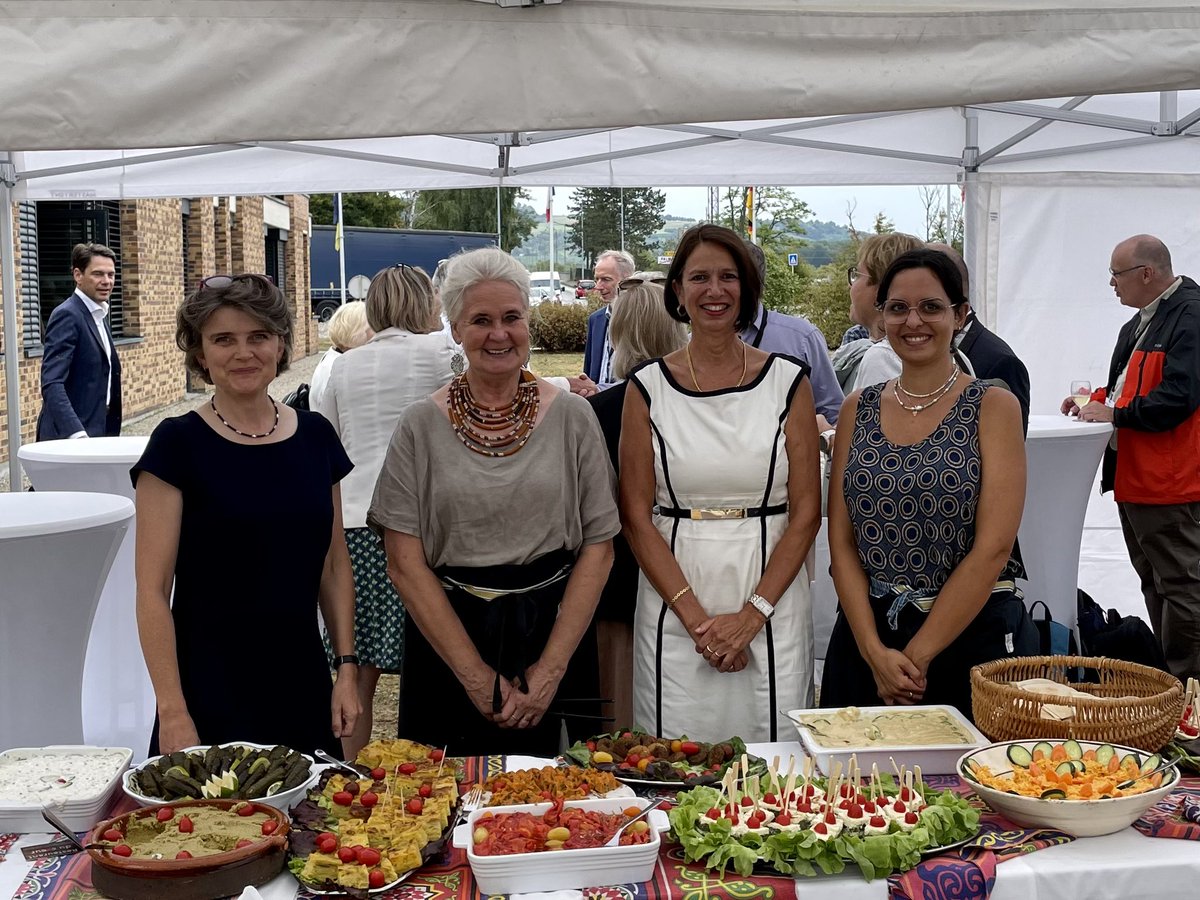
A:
(255, 295)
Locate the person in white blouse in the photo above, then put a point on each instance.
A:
(407, 359)
(348, 329)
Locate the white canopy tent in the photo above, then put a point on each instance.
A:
(277, 96)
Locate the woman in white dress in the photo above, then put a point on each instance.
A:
(720, 501)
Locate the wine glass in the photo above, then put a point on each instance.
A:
(1081, 393)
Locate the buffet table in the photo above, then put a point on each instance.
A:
(56, 550)
(118, 702)
(1115, 866)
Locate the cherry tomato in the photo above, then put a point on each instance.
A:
(415, 805)
(407, 768)
(112, 834)
(377, 879)
(368, 856)
(436, 755)
(368, 799)
(632, 759)
(165, 814)
(327, 845)
(247, 810)
(269, 826)
(244, 842)
(425, 790)
(185, 825)
(688, 748)
(351, 788)
(183, 854)
(591, 745)
(343, 798)
(122, 850)
(327, 836)
(347, 854)
(379, 774)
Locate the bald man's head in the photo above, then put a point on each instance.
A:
(959, 263)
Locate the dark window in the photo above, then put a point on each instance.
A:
(275, 244)
(31, 318)
(60, 226)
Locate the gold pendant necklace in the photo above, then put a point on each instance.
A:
(688, 352)
(941, 392)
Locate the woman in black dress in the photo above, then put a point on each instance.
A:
(239, 510)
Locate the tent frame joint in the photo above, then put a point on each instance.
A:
(8, 174)
(1164, 128)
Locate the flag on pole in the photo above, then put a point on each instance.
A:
(750, 211)
(549, 202)
(337, 222)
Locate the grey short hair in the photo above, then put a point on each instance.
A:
(347, 324)
(465, 270)
(641, 328)
(623, 259)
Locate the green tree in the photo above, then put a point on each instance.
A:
(882, 224)
(596, 215)
(474, 209)
(380, 209)
(780, 215)
(825, 300)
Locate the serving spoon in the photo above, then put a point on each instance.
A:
(616, 838)
(337, 763)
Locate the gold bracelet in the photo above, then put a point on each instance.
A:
(671, 603)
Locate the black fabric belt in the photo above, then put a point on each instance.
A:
(721, 512)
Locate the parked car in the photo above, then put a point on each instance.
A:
(582, 286)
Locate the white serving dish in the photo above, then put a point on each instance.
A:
(935, 759)
(564, 869)
(282, 801)
(1082, 818)
(80, 813)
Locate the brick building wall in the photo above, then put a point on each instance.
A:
(153, 274)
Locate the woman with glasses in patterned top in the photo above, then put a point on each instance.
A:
(240, 512)
(928, 483)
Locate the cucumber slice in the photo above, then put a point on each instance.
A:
(1131, 757)
(1152, 762)
(1054, 794)
(1019, 756)
(1078, 766)
(1044, 747)
(1074, 751)
(1104, 753)
(1066, 767)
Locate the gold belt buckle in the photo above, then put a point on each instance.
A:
(720, 512)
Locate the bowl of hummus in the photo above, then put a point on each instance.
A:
(191, 850)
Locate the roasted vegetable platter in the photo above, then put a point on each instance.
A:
(638, 758)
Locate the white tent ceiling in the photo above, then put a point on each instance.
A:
(275, 96)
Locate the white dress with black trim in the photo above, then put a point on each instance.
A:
(721, 449)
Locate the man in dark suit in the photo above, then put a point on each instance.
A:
(81, 372)
(989, 355)
(612, 267)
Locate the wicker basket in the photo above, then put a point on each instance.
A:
(1005, 712)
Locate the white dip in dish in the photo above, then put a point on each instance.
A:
(45, 777)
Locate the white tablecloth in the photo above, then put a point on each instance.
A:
(118, 702)
(1114, 867)
(55, 553)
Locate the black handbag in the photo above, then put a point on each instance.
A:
(298, 399)
(1116, 636)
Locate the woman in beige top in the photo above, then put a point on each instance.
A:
(496, 505)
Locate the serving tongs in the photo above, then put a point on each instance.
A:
(55, 849)
(337, 763)
(1167, 764)
(616, 838)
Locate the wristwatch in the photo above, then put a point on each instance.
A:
(763, 605)
(342, 660)
(826, 441)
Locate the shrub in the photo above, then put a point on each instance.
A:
(558, 328)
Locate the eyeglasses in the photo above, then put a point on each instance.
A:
(634, 282)
(852, 274)
(1123, 271)
(897, 311)
(220, 282)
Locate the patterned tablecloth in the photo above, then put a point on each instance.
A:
(968, 873)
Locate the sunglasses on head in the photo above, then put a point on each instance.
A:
(634, 282)
(218, 282)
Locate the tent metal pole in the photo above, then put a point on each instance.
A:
(499, 233)
(8, 271)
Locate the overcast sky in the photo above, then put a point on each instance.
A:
(900, 204)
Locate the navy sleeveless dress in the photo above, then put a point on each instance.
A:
(913, 511)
